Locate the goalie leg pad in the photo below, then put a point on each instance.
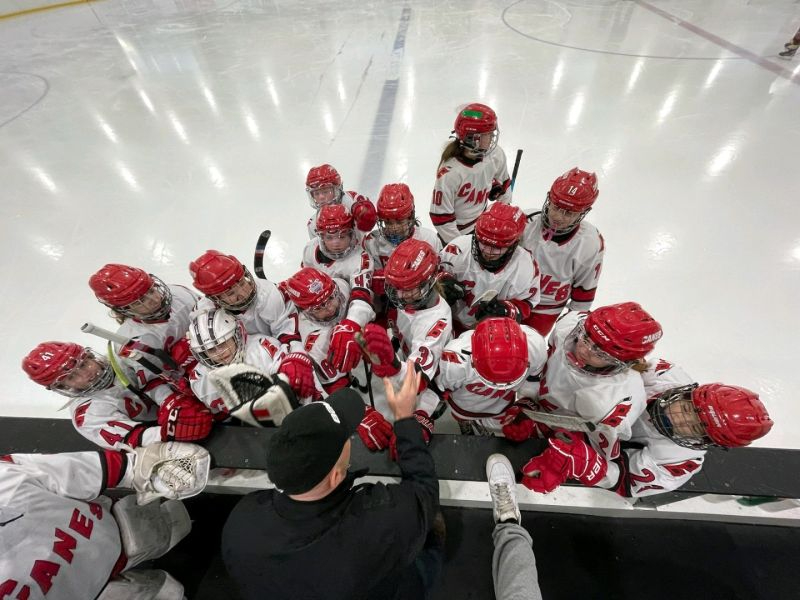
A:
(152, 584)
(149, 531)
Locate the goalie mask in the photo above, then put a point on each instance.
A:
(569, 200)
(132, 292)
(336, 231)
(411, 274)
(224, 280)
(216, 338)
(497, 235)
(316, 295)
(396, 217)
(476, 130)
(696, 417)
(500, 353)
(70, 369)
(323, 186)
(611, 338)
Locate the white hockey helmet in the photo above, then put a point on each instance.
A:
(216, 337)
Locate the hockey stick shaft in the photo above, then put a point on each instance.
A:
(567, 422)
(258, 256)
(516, 169)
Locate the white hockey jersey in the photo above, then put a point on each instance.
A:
(262, 352)
(470, 399)
(612, 403)
(570, 268)
(380, 249)
(517, 281)
(268, 315)
(115, 416)
(422, 335)
(355, 268)
(348, 199)
(461, 193)
(59, 539)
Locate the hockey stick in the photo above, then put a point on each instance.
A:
(120, 374)
(516, 169)
(560, 421)
(258, 257)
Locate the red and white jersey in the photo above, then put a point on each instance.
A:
(269, 314)
(517, 281)
(380, 249)
(461, 193)
(422, 335)
(262, 352)
(470, 398)
(59, 539)
(570, 268)
(662, 465)
(348, 199)
(162, 335)
(115, 416)
(355, 268)
(612, 403)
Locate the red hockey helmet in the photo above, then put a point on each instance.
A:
(324, 186)
(471, 123)
(624, 331)
(411, 274)
(501, 226)
(500, 353)
(396, 204)
(120, 286)
(216, 275)
(50, 363)
(315, 293)
(573, 192)
(733, 416)
(336, 231)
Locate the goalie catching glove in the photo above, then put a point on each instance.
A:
(172, 470)
(253, 396)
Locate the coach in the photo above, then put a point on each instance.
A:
(317, 536)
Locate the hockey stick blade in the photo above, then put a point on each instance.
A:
(560, 421)
(258, 256)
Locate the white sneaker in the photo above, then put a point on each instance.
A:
(503, 488)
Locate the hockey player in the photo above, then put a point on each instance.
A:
(490, 259)
(568, 249)
(337, 253)
(483, 369)
(63, 540)
(218, 338)
(591, 374)
(471, 172)
(150, 311)
(259, 305)
(324, 187)
(107, 413)
(421, 323)
(669, 439)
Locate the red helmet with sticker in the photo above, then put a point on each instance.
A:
(500, 352)
(624, 331)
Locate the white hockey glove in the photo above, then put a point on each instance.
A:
(253, 396)
(174, 470)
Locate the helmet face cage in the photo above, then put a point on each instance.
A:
(578, 335)
(501, 386)
(472, 142)
(103, 379)
(547, 226)
(203, 338)
(425, 291)
(159, 314)
(657, 409)
(395, 238)
(338, 297)
(328, 193)
(242, 305)
(494, 264)
(330, 235)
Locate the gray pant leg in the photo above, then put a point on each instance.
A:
(513, 564)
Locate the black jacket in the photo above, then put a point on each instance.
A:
(353, 544)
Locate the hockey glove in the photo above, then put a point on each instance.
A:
(364, 214)
(375, 431)
(182, 354)
(168, 470)
(184, 419)
(344, 352)
(378, 283)
(569, 456)
(427, 432)
(450, 288)
(380, 350)
(498, 189)
(497, 308)
(518, 427)
(299, 370)
(252, 396)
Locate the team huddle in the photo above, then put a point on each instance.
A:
(493, 309)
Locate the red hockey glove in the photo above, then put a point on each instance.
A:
(182, 354)
(344, 352)
(378, 282)
(299, 370)
(375, 431)
(518, 427)
(184, 419)
(569, 456)
(427, 432)
(381, 351)
(364, 214)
